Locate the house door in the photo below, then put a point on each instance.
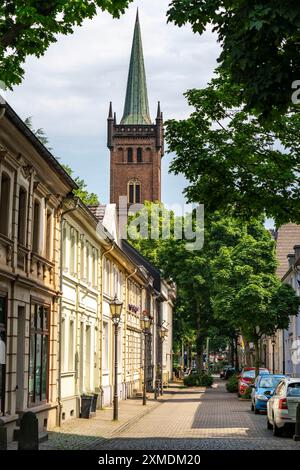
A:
(20, 359)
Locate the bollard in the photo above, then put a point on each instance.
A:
(3, 436)
(296, 436)
(29, 432)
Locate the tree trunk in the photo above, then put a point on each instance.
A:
(236, 364)
(247, 353)
(199, 339)
(190, 356)
(256, 356)
(232, 351)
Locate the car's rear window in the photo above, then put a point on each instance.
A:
(249, 374)
(269, 382)
(294, 390)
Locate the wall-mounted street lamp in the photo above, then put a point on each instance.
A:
(115, 312)
(145, 325)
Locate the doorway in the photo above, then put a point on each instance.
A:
(20, 360)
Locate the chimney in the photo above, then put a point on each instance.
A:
(291, 259)
(297, 252)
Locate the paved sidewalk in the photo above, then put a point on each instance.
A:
(85, 434)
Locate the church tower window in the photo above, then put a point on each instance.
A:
(130, 155)
(134, 192)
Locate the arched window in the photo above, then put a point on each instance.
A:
(129, 155)
(22, 216)
(134, 192)
(139, 155)
(4, 204)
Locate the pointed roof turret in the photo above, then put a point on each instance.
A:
(136, 109)
(158, 116)
(110, 112)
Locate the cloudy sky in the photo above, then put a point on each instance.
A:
(67, 92)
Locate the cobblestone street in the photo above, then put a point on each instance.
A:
(183, 419)
(191, 419)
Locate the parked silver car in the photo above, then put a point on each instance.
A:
(282, 406)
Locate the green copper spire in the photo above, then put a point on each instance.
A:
(136, 109)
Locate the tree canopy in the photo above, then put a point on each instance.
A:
(229, 286)
(246, 292)
(232, 160)
(28, 28)
(260, 45)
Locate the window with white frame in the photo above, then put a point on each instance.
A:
(5, 204)
(73, 251)
(22, 216)
(36, 223)
(49, 236)
(71, 345)
(106, 276)
(82, 258)
(105, 346)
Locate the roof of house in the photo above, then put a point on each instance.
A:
(140, 260)
(98, 211)
(288, 236)
(37, 144)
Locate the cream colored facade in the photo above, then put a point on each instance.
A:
(122, 278)
(56, 332)
(80, 323)
(32, 188)
(167, 321)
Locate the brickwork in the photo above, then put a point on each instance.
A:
(146, 172)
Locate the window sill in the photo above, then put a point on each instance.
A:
(38, 407)
(9, 418)
(68, 374)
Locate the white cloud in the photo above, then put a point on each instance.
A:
(68, 90)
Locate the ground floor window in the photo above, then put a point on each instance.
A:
(38, 353)
(2, 352)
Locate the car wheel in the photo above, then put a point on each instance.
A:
(252, 407)
(256, 411)
(277, 431)
(269, 425)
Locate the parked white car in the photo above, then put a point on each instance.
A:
(282, 406)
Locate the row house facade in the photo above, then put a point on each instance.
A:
(61, 265)
(278, 350)
(33, 187)
(288, 358)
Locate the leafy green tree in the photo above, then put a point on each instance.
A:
(29, 27)
(247, 293)
(39, 133)
(229, 286)
(260, 45)
(188, 269)
(234, 161)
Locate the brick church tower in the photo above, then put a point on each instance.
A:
(136, 144)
